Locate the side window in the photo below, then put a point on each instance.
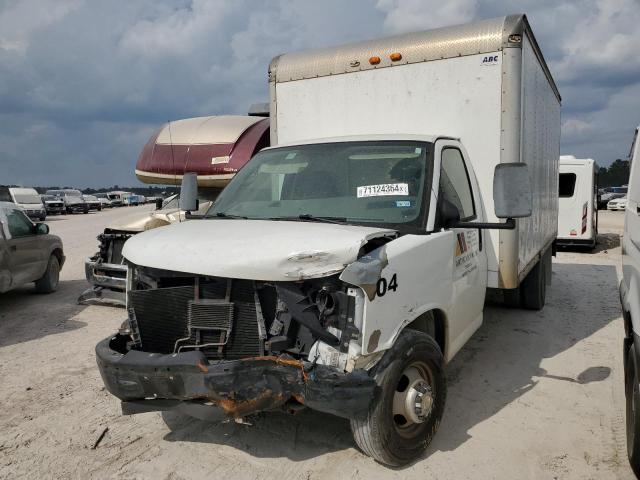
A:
(19, 224)
(455, 185)
(566, 185)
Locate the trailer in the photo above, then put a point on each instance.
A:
(578, 202)
(343, 267)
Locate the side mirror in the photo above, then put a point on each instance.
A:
(42, 228)
(159, 201)
(189, 192)
(449, 214)
(512, 190)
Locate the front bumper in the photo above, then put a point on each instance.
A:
(36, 213)
(55, 208)
(218, 390)
(107, 275)
(77, 207)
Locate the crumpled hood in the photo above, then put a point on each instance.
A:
(251, 249)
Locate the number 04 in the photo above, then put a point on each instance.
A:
(383, 286)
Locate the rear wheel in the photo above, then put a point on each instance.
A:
(632, 396)
(406, 413)
(534, 287)
(49, 281)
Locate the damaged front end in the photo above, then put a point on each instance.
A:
(106, 270)
(219, 348)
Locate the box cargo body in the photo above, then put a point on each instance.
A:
(578, 203)
(485, 83)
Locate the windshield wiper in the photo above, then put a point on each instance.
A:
(312, 218)
(226, 215)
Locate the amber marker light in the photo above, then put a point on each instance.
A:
(395, 57)
(374, 60)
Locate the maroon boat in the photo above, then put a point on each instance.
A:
(214, 147)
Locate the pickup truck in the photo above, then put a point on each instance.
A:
(344, 272)
(28, 253)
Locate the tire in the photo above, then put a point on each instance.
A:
(533, 289)
(512, 297)
(86, 211)
(632, 397)
(395, 439)
(42, 219)
(49, 281)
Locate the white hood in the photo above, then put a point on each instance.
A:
(251, 249)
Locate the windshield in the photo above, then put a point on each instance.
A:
(73, 193)
(90, 197)
(27, 198)
(360, 182)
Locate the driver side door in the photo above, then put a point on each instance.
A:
(457, 185)
(26, 262)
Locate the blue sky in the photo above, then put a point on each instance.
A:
(84, 83)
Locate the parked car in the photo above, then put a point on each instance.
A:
(104, 200)
(93, 202)
(73, 201)
(53, 205)
(28, 253)
(118, 198)
(611, 193)
(106, 270)
(617, 204)
(27, 198)
(630, 300)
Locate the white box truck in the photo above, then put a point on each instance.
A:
(343, 268)
(578, 202)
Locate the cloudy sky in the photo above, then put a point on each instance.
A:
(84, 83)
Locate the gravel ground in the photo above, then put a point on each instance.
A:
(532, 394)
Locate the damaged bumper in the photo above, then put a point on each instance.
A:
(107, 275)
(218, 390)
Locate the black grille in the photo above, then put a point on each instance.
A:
(161, 315)
(162, 318)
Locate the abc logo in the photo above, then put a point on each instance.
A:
(490, 60)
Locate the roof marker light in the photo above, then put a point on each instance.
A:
(395, 56)
(374, 60)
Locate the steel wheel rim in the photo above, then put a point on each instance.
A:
(413, 399)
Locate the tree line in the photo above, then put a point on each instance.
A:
(616, 175)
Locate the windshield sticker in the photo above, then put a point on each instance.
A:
(383, 189)
(403, 203)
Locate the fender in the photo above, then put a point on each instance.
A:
(412, 275)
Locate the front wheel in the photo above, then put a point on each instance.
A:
(405, 414)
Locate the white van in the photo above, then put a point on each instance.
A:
(578, 202)
(29, 200)
(630, 299)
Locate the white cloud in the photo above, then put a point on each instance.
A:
(83, 82)
(411, 15)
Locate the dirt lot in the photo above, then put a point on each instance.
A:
(532, 395)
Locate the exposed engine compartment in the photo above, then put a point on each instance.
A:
(173, 312)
